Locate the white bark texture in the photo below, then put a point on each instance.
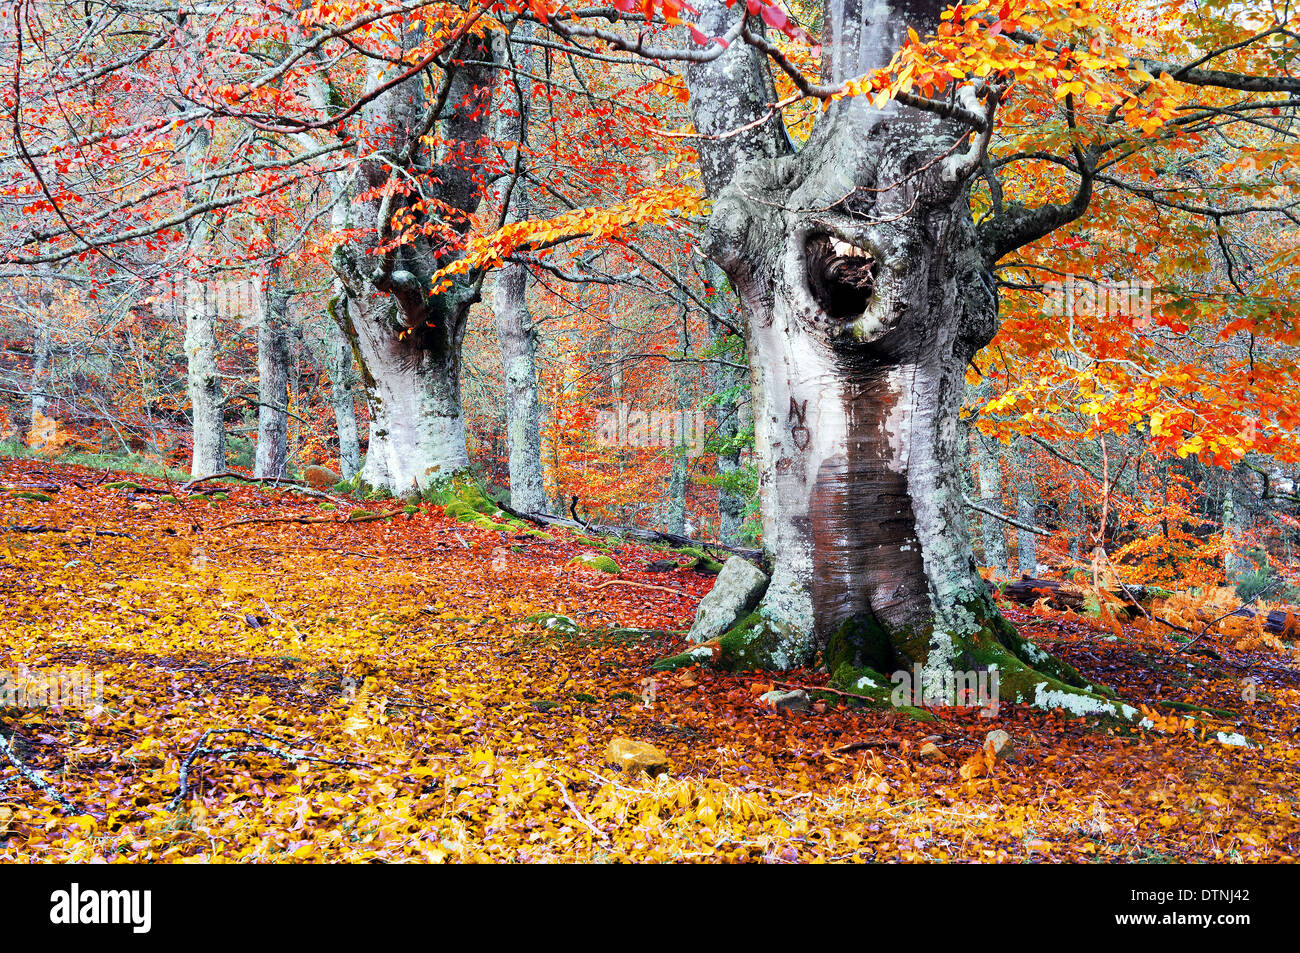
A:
(203, 380)
(271, 456)
(516, 333)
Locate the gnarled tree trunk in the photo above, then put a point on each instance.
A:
(408, 333)
(868, 290)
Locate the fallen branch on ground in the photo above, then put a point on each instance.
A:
(272, 482)
(35, 780)
(39, 528)
(639, 585)
(201, 748)
(636, 533)
(1133, 598)
(863, 745)
(347, 519)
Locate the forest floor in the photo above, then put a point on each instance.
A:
(381, 694)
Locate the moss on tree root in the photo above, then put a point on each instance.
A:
(752, 644)
(862, 649)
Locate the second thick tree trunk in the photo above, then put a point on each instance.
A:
(417, 427)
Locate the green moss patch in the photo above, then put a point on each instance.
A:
(596, 561)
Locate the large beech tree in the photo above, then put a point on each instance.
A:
(409, 203)
(869, 287)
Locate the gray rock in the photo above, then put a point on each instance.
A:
(999, 744)
(734, 595)
(796, 700)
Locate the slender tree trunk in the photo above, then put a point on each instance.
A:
(1026, 511)
(993, 532)
(203, 380)
(517, 338)
(41, 364)
(868, 291)
(678, 477)
(340, 365)
(1076, 523)
(271, 459)
(1235, 522)
(725, 380)
(207, 406)
(516, 334)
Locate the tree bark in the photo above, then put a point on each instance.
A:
(203, 381)
(1026, 511)
(340, 365)
(868, 292)
(41, 361)
(678, 477)
(408, 334)
(726, 380)
(1235, 523)
(271, 456)
(517, 338)
(993, 532)
(516, 333)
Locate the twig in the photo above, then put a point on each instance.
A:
(279, 618)
(1009, 520)
(1106, 556)
(1213, 622)
(568, 802)
(639, 585)
(36, 780)
(201, 748)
